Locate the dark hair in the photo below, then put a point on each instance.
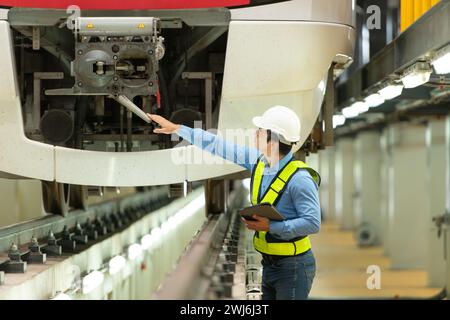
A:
(283, 148)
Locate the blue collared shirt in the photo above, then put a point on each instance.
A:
(299, 202)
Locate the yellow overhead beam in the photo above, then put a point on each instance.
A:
(411, 10)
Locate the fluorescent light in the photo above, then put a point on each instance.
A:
(349, 112)
(157, 235)
(338, 120)
(416, 75)
(156, 232)
(116, 264)
(127, 271)
(441, 62)
(61, 296)
(183, 214)
(165, 228)
(190, 209)
(355, 109)
(92, 281)
(175, 220)
(374, 100)
(147, 241)
(416, 79)
(391, 91)
(134, 251)
(360, 107)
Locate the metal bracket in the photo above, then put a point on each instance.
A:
(15, 264)
(36, 38)
(207, 76)
(67, 242)
(90, 230)
(328, 109)
(52, 248)
(37, 78)
(35, 255)
(441, 223)
(80, 236)
(116, 220)
(110, 227)
(100, 227)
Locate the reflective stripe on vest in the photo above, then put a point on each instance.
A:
(272, 196)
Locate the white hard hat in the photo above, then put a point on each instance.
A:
(281, 120)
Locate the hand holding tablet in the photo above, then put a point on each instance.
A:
(263, 210)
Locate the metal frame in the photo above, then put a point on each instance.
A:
(23, 232)
(194, 274)
(179, 285)
(37, 89)
(328, 109)
(170, 18)
(430, 32)
(202, 43)
(207, 76)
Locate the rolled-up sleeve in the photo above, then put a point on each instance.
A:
(305, 196)
(240, 154)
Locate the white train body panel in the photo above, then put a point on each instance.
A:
(276, 54)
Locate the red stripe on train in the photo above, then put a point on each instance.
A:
(124, 5)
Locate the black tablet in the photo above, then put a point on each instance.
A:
(264, 210)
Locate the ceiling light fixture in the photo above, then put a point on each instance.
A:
(374, 100)
(441, 61)
(391, 91)
(416, 75)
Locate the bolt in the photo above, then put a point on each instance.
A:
(80, 52)
(66, 233)
(150, 84)
(116, 78)
(35, 255)
(90, 230)
(115, 48)
(88, 224)
(80, 84)
(80, 236)
(13, 247)
(14, 253)
(51, 238)
(115, 57)
(34, 245)
(78, 229)
(115, 220)
(150, 51)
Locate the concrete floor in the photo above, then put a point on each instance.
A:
(342, 269)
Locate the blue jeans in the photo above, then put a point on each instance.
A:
(288, 278)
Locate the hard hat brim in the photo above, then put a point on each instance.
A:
(259, 122)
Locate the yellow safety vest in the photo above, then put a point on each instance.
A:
(262, 240)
